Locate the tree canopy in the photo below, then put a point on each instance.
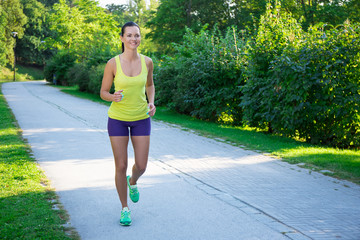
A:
(12, 19)
(82, 26)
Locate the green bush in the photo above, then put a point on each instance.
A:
(304, 85)
(281, 79)
(79, 75)
(320, 87)
(87, 78)
(276, 32)
(95, 78)
(203, 79)
(57, 68)
(164, 78)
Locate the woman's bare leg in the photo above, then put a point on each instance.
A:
(119, 146)
(141, 150)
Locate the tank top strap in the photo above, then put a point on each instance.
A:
(118, 65)
(143, 64)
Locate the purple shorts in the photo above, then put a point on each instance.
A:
(121, 128)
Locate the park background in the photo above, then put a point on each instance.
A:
(279, 77)
(285, 67)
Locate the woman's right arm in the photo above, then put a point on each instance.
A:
(107, 82)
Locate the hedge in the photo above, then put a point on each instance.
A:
(302, 84)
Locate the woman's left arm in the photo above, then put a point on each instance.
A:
(150, 88)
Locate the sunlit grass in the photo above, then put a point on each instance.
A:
(26, 199)
(344, 164)
(23, 73)
(74, 90)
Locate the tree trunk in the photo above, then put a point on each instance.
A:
(188, 22)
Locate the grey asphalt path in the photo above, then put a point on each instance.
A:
(194, 187)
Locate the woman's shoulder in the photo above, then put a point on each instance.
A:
(148, 61)
(112, 62)
(111, 65)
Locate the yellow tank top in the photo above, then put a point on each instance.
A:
(133, 106)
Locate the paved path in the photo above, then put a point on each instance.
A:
(194, 187)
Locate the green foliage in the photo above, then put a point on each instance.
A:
(304, 85)
(95, 78)
(30, 49)
(169, 23)
(172, 16)
(276, 32)
(119, 13)
(283, 77)
(319, 84)
(57, 68)
(284, 80)
(246, 14)
(23, 73)
(204, 76)
(48, 3)
(316, 11)
(81, 26)
(12, 19)
(88, 79)
(353, 10)
(84, 34)
(79, 75)
(66, 26)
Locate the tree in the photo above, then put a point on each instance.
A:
(29, 49)
(84, 29)
(311, 12)
(118, 12)
(353, 10)
(66, 26)
(48, 3)
(246, 14)
(173, 16)
(12, 19)
(169, 23)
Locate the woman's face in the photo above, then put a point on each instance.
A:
(131, 37)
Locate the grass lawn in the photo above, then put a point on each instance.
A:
(26, 200)
(345, 164)
(23, 73)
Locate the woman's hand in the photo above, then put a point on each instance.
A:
(152, 109)
(118, 96)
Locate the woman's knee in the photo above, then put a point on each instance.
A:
(120, 167)
(141, 167)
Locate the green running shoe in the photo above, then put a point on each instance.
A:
(125, 219)
(133, 191)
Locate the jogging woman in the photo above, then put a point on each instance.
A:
(130, 112)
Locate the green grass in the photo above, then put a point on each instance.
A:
(32, 73)
(74, 90)
(26, 199)
(23, 73)
(345, 164)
